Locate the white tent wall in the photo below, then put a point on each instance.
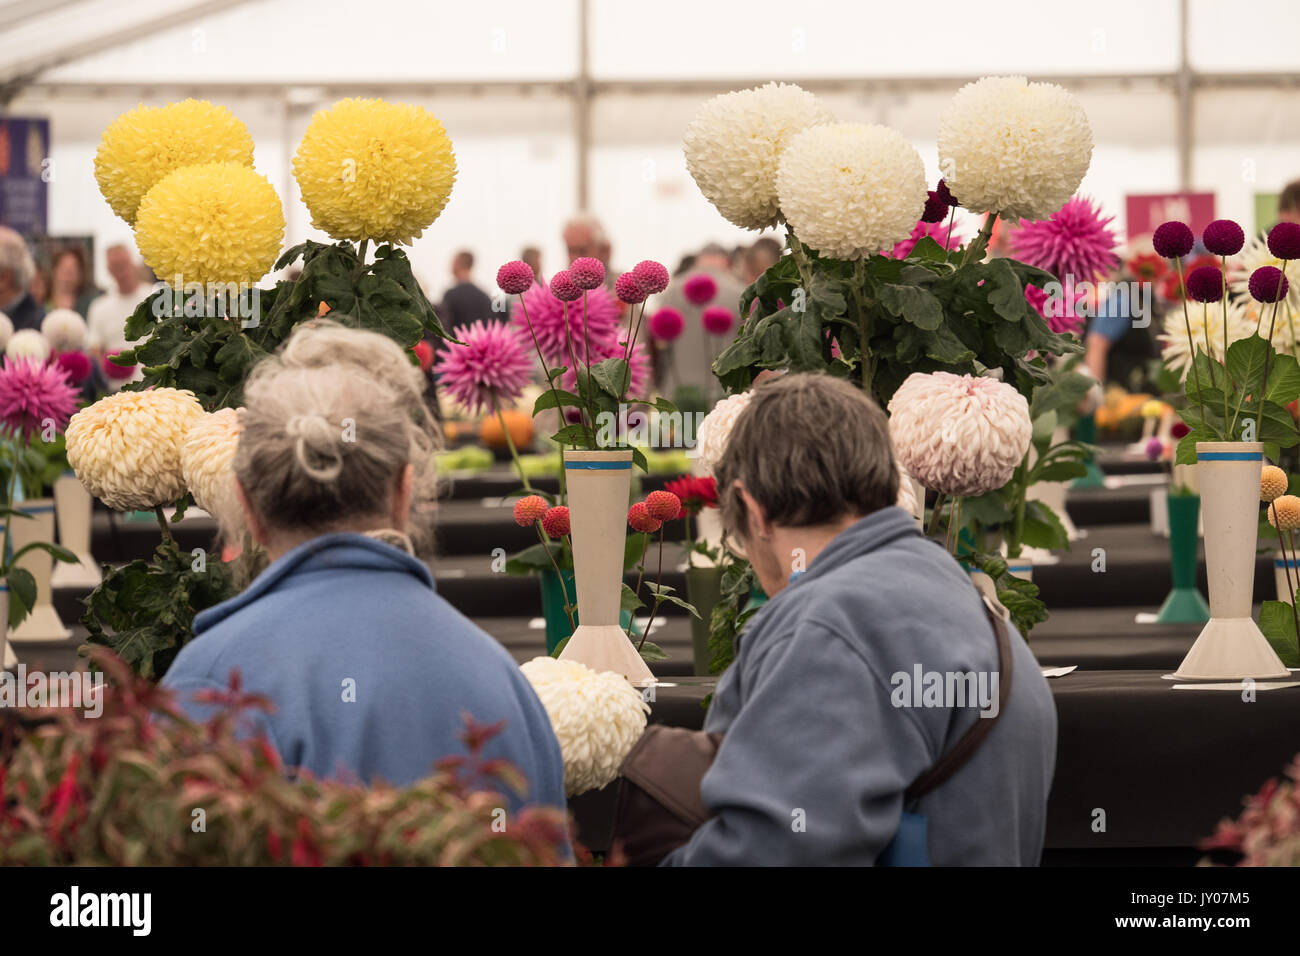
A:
(508, 79)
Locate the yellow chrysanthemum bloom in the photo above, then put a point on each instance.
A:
(206, 458)
(214, 223)
(126, 448)
(143, 145)
(374, 170)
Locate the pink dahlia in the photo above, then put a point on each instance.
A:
(938, 231)
(959, 434)
(491, 366)
(1058, 316)
(557, 324)
(114, 371)
(564, 288)
(515, 278)
(75, 365)
(652, 275)
(1075, 242)
(32, 394)
(586, 272)
(717, 320)
(667, 324)
(700, 289)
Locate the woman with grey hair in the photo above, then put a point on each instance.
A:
(371, 672)
(867, 670)
(16, 272)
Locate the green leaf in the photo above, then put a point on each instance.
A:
(1283, 380)
(629, 601)
(547, 400)
(914, 304)
(1277, 623)
(930, 250)
(1245, 364)
(22, 594)
(1043, 528)
(535, 557)
(652, 652)
(1004, 291)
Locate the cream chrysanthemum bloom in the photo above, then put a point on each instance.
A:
(1255, 255)
(714, 431)
(206, 457)
(959, 434)
(145, 144)
(28, 344)
(374, 170)
(597, 717)
(906, 497)
(64, 329)
(126, 448)
(1016, 148)
(851, 189)
(734, 144)
(218, 223)
(1206, 321)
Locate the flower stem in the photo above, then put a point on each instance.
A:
(659, 580)
(1223, 274)
(162, 523)
(981, 241)
(1268, 353)
(934, 516)
(9, 520)
(510, 443)
(640, 574)
(1191, 342)
(564, 591)
(559, 410)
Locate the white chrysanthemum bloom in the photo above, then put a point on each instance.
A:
(28, 344)
(597, 717)
(959, 434)
(6, 330)
(734, 143)
(65, 330)
(1255, 255)
(851, 189)
(126, 448)
(714, 431)
(1206, 321)
(206, 457)
(1016, 148)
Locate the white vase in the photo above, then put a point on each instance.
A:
(598, 485)
(43, 623)
(73, 508)
(1231, 646)
(1159, 511)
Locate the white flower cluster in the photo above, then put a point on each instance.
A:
(1012, 147)
(713, 433)
(850, 190)
(597, 717)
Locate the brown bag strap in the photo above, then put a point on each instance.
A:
(970, 742)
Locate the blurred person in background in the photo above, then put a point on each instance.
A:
(106, 317)
(687, 361)
(345, 600)
(760, 257)
(16, 272)
(1288, 203)
(70, 285)
(533, 256)
(585, 236)
(40, 287)
(465, 302)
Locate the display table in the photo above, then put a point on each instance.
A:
(1162, 765)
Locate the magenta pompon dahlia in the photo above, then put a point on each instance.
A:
(515, 278)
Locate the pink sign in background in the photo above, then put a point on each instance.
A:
(1144, 212)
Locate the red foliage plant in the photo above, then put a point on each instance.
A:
(143, 785)
(1268, 831)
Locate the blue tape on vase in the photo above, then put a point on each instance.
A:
(1279, 563)
(598, 465)
(1230, 456)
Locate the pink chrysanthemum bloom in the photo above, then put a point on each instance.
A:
(1075, 242)
(547, 315)
(959, 434)
(938, 231)
(1059, 318)
(515, 278)
(700, 289)
(490, 367)
(652, 275)
(587, 272)
(32, 394)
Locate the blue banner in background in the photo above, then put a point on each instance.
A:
(24, 186)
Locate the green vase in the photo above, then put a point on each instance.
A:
(1085, 430)
(1184, 605)
(557, 622)
(704, 590)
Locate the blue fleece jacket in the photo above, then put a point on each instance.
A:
(370, 670)
(825, 725)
